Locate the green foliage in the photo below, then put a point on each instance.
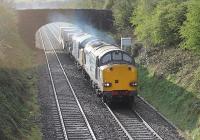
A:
(17, 92)
(122, 11)
(167, 20)
(158, 22)
(166, 23)
(108, 4)
(14, 113)
(96, 4)
(141, 19)
(164, 83)
(191, 29)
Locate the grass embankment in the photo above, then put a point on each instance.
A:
(171, 83)
(18, 104)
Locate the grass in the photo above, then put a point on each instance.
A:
(174, 89)
(18, 78)
(18, 105)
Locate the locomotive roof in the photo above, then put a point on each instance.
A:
(105, 49)
(100, 48)
(93, 44)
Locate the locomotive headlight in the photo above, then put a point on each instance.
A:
(134, 84)
(107, 84)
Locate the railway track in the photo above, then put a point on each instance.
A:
(69, 118)
(134, 127)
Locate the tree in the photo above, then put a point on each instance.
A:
(157, 23)
(191, 30)
(167, 19)
(109, 4)
(142, 20)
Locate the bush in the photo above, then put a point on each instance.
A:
(167, 19)
(14, 110)
(141, 19)
(122, 11)
(109, 4)
(191, 29)
(158, 22)
(17, 92)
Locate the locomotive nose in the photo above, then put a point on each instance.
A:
(121, 77)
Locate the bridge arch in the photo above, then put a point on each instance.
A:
(29, 21)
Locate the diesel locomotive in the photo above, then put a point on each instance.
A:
(111, 71)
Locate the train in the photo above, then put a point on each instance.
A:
(110, 70)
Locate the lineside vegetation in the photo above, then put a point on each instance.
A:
(18, 105)
(159, 23)
(169, 69)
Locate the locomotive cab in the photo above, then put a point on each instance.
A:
(118, 75)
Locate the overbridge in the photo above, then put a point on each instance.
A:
(29, 21)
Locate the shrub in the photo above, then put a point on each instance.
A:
(158, 22)
(191, 30)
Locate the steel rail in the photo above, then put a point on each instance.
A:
(74, 94)
(148, 126)
(152, 107)
(118, 121)
(54, 90)
(124, 129)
